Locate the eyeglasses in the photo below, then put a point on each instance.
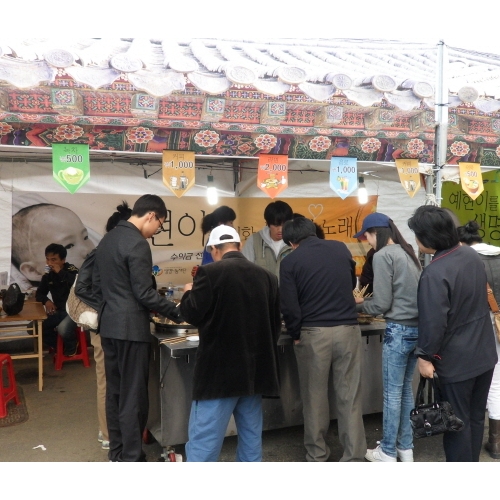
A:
(161, 228)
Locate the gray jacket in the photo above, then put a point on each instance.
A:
(121, 282)
(395, 286)
(258, 249)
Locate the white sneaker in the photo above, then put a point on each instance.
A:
(377, 455)
(405, 455)
(105, 445)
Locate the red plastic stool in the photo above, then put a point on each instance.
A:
(81, 351)
(9, 392)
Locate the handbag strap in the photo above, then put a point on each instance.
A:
(436, 386)
(491, 299)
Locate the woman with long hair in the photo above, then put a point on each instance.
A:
(490, 255)
(396, 272)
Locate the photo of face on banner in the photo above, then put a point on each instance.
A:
(34, 228)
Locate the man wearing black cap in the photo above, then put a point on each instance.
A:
(235, 305)
(316, 284)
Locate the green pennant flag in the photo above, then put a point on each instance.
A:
(71, 165)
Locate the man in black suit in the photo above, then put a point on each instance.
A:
(122, 283)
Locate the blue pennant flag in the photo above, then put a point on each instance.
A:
(343, 175)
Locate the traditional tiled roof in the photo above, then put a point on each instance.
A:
(311, 98)
(364, 70)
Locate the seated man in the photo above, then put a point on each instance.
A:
(58, 281)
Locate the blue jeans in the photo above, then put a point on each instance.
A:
(208, 423)
(398, 365)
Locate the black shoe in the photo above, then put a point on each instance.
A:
(69, 353)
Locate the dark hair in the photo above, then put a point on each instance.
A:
(150, 203)
(298, 229)
(56, 249)
(277, 213)
(319, 230)
(433, 227)
(392, 232)
(219, 216)
(123, 213)
(469, 234)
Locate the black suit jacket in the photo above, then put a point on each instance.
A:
(121, 282)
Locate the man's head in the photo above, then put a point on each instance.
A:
(35, 227)
(148, 215)
(223, 239)
(298, 229)
(275, 215)
(55, 255)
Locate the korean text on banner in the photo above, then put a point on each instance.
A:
(343, 175)
(272, 176)
(178, 171)
(470, 176)
(409, 175)
(71, 165)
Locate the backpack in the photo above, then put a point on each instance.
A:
(82, 314)
(13, 300)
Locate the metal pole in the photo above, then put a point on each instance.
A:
(441, 115)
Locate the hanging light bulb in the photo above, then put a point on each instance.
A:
(212, 196)
(362, 192)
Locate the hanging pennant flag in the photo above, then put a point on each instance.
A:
(409, 175)
(178, 171)
(343, 175)
(272, 174)
(472, 180)
(71, 165)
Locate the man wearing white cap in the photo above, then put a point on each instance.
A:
(235, 305)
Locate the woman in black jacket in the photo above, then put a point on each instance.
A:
(455, 332)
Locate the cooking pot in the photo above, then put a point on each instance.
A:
(173, 329)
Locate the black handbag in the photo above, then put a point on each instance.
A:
(435, 417)
(13, 300)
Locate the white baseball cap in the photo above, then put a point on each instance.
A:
(223, 234)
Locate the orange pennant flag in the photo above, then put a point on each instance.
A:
(178, 169)
(471, 178)
(272, 174)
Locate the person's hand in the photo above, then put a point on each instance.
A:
(50, 307)
(359, 300)
(426, 368)
(56, 267)
(187, 287)
(295, 342)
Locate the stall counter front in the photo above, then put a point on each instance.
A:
(171, 383)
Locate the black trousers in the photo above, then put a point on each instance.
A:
(127, 404)
(468, 399)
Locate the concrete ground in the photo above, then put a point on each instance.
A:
(63, 419)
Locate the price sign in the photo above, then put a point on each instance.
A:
(272, 176)
(178, 171)
(471, 178)
(409, 175)
(343, 175)
(71, 165)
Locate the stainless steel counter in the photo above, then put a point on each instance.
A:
(171, 384)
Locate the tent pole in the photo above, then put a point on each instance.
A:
(441, 116)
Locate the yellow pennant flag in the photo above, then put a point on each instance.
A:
(409, 175)
(471, 178)
(178, 170)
